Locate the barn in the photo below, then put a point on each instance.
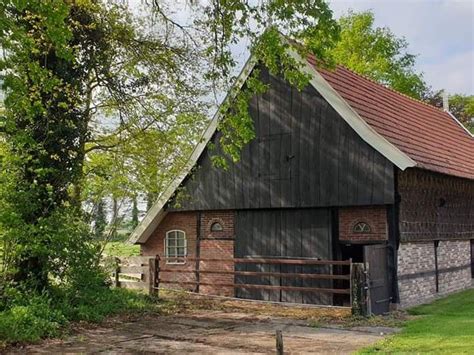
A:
(343, 169)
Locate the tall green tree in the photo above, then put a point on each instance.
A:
(134, 212)
(377, 53)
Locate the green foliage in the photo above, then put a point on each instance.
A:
(377, 53)
(29, 317)
(461, 106)
(121, 248)
(100, 220)
(444, 326)
(134, 221)
(102, 104)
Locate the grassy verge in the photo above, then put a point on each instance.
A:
(444, 326)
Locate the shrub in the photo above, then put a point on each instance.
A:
(29, 318)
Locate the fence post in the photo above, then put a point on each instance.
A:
(157, 274)
(279, 342)
(358, 290)
(117, 272)
(153, 270)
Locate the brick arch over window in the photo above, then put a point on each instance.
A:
(215, 226)
(361, 227)
(363, 224)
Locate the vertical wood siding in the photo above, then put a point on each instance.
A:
(304, 155)
(284, 233)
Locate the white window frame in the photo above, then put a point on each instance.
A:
(170, 261)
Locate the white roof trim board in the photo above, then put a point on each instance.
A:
(363, 129)
(156, 213)
(459, 123)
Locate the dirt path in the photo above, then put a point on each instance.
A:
(210, 332)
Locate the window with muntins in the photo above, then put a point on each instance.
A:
(361, 227)
(216, 227)
(175, 246)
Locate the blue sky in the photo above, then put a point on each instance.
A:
(441, 32)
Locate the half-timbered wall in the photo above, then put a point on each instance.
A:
(304, 155)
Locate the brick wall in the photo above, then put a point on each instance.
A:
(417, 275)
(215, 245)
(374, 216)
(155, 245)
(454, 265)
(435, 206)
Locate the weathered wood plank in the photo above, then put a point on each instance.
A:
(328, 163)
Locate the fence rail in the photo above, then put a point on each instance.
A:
(145, 273)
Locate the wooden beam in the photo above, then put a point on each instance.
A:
(273, 274)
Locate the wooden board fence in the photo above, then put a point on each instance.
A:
(144, 273)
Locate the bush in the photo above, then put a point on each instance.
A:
(29, 318)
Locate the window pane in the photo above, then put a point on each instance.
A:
(171, 252)
(180, 242)
(171, 242)
(181, 252)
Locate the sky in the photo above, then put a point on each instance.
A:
(440, 32)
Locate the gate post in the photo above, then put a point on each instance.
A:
(358, 290)
(117, 272)
(153, 271)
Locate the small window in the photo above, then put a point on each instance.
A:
(175, 247)
(216, 227)
(361, 227)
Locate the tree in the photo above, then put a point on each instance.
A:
(461, 106)
(88, 77)
(100, 220)
(377, 53)
(135, 212)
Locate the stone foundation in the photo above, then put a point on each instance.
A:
(417, 270)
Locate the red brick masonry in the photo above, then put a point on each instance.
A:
(374, 216)
(213, 245)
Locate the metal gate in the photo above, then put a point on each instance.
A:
(376, 256)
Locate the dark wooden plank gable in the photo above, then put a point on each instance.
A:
(304, 155)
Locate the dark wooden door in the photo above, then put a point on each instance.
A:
(376, 256)
(287, 233)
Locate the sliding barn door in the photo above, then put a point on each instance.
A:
(283, 233)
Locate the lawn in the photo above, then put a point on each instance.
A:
(120, 248)
(444, 326)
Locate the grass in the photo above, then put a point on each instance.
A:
(444, 326)
(119, 248)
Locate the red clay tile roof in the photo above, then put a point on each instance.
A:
(428, 135)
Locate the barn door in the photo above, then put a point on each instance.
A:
(376, 256)
(283, 233)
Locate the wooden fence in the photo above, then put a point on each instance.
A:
(145, 273)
